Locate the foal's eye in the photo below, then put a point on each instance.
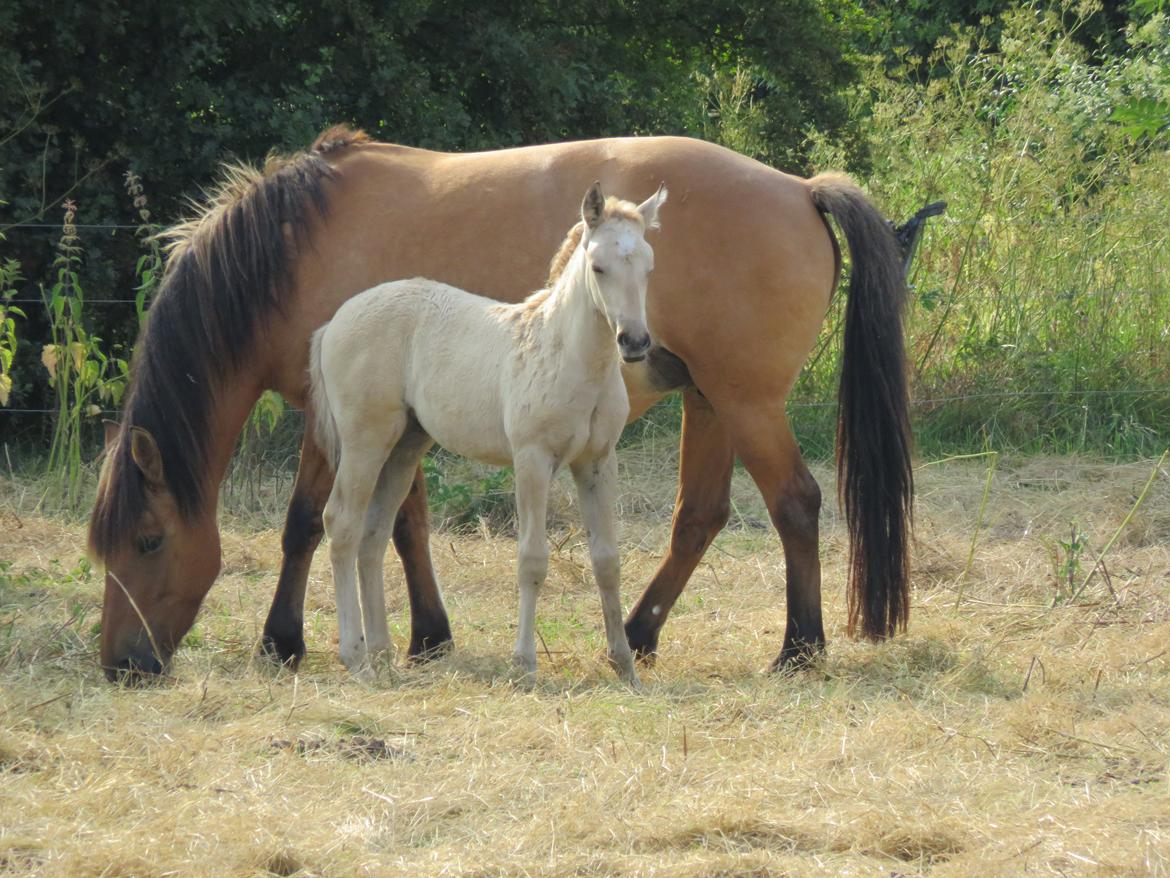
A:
(149, 545)
(597, 269)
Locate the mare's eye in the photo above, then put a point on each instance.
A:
(149, 544)
(597, 269)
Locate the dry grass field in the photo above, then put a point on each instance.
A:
(1002, 735)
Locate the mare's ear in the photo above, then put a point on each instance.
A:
(649, 207)
(111, 431)
(146, 455)
(593, 205)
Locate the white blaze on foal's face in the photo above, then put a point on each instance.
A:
(620, 262)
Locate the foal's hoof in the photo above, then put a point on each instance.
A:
(623, 666)
(282, 650)
(523, 670)
(798, 655)
(643, 641)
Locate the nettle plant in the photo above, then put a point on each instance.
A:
(149, 267)
(10, 276)
(81, 375)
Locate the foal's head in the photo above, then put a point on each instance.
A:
(618, 262)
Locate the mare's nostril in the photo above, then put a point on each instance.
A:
(135, 670)
(623, 338)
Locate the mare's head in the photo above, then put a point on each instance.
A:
(160, 558)
(195, 375)
(618, 263)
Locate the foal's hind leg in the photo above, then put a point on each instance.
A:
(700, 512)
(764, 442)
(597, 487)
(345, 515)
(394, 483)
(284, 637)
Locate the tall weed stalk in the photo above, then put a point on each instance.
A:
(10, 276)
(81, 375)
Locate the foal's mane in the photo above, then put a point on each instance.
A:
(228, 272)
(615, 208)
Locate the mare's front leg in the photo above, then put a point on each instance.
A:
(430, 630)
(284, 630)
(700, 512)
(597, 489)
(533, 473)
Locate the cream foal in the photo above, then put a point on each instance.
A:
(535, 385)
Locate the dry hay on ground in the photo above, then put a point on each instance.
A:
(1001, 736)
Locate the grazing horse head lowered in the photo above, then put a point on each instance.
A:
(747, 265)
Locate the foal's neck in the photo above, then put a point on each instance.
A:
(574, 314)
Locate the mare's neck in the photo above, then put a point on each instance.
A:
(226, 419)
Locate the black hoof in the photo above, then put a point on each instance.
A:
(798, 655)
(286, 650)
(428, 647)
(643, 641)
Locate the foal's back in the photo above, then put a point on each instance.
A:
(425, 348)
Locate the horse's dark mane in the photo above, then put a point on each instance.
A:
(228, 272)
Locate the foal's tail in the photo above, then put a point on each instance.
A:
(324, 426)
(874, 476)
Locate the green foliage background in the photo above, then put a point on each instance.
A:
(1040, 302)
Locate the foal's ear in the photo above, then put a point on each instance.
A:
(649, 207)
(593, 205)
(146, 455)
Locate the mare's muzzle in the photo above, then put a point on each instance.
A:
(135, 670)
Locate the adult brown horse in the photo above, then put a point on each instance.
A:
(746, 266)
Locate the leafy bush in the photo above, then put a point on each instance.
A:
(1040, 315)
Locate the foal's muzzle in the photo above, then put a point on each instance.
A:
(633, 345)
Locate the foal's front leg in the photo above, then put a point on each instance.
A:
(533, 474)
(597, 490)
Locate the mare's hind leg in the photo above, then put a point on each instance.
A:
(345, 515)
(700, 512)
(394, 483)
(764, 442)
(597, 487)
(533, 474)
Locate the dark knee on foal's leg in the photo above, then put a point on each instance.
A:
(693, 530)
